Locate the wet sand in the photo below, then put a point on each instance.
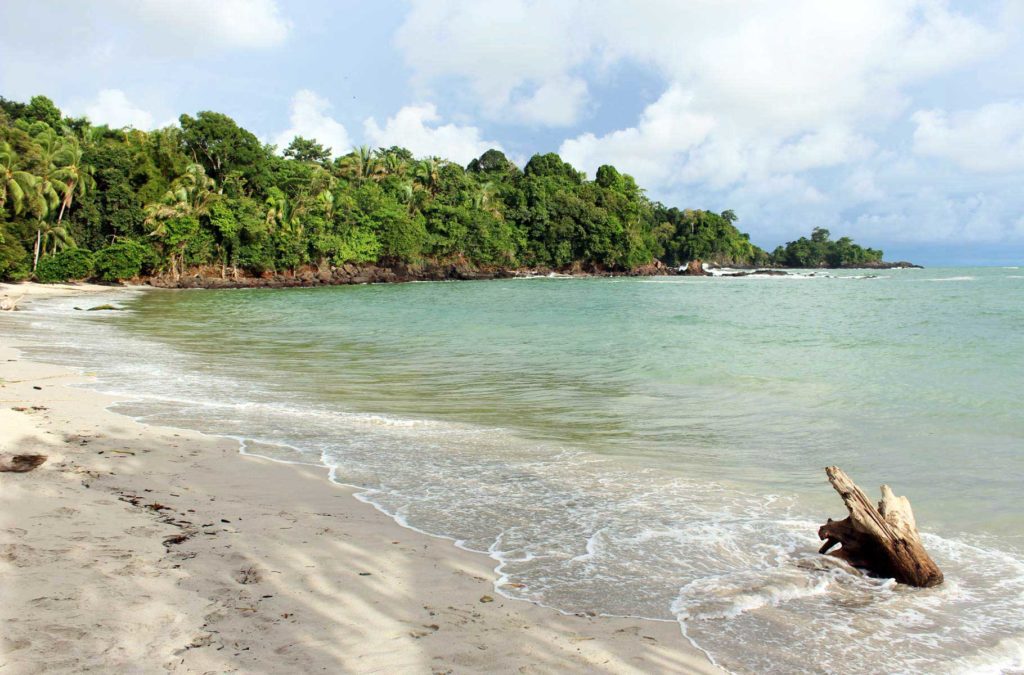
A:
(136, 548)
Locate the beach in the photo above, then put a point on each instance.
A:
(138, 548)
(538, 338)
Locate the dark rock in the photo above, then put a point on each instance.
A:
(651, 269)
(763, 273)
(695, 268)
(883, 265)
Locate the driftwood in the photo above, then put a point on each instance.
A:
(884, 540)
(9, 305)
(20, 463)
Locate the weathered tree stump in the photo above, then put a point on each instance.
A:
(884, 540)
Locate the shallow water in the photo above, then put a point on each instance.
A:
(643, 447)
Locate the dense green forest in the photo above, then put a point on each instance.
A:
(82, 201)
(821, 251)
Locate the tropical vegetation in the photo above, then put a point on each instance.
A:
(80, 201)
(821, 251)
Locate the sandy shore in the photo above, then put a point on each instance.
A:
(143, 549)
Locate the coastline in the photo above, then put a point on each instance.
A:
(141, 547)
(350, 275)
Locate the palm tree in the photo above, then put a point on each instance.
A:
(392, 164)
(16, 186)
(320, 182)
(484, 198)
(325, 199)
(427, 174)
(44, 201)
(74, 175)
(46, 196)
(361, 164)
(281, 213)
(50, 144)
(285, 217)
(53, 237)
(189, 197)
(52, 149)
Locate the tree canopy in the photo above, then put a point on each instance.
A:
(821, 251)
(307, 150)
(210, 195)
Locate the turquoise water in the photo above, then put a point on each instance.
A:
(646, 447)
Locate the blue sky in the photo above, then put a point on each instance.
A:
(898, 122)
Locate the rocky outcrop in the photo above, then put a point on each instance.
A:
(349, 273)
(399, 272)
(655, 268)
(695, 268)
(757, 273)
(882, 265)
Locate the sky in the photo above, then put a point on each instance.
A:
(897, 122)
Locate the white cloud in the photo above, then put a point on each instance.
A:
(508, 53)
(861, 186)
(759, 95)
(986, 139)
(160, 48)
(826, 146)
(973, 218)
(253, 24)
(771, 108)
(411, 127)
(779, 65)
(309, 118)
(675, 142)
(666, 128)
(112, 107)
(789, 186)
(554, 103)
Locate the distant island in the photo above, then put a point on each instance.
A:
(208, 204)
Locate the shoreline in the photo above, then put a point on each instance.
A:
(352, 275)
(138, 546)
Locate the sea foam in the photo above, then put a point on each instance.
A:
(581, 531)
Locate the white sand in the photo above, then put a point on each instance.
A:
(282, 570)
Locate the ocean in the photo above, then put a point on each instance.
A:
(644, 447)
